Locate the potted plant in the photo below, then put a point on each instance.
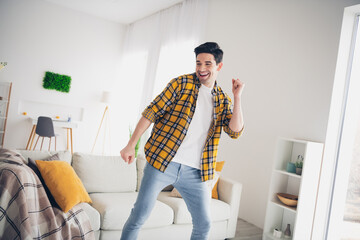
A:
(299, 164)
(137, 144)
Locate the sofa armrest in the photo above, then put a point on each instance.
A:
(230, 192)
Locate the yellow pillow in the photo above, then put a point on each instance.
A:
(218, 168)
(63, 183)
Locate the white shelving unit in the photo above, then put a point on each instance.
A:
(5, 92)
(300, 218)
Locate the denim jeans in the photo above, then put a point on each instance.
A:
(187, 181)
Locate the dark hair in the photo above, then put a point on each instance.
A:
(212, 48)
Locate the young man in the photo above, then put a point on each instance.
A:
(188, 117)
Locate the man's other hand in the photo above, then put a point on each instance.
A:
(128, 154)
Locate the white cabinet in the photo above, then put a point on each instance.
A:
(305, 186)
(5, 92)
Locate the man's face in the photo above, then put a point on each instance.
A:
(207, 69)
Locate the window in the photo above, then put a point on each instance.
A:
(131, 85)
(337, 192)
(344, 217)
(174, 60)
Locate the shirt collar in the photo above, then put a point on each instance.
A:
(214, 91)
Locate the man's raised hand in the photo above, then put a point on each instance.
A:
(237, 87)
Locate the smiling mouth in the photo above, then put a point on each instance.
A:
(203, 74)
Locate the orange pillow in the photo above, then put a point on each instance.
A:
(63, 183)
(218, 168)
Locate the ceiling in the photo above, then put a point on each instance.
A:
(121, 11)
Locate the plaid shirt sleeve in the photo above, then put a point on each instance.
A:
(162, 103)
(226, 117)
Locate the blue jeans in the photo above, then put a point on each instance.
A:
(187, 181)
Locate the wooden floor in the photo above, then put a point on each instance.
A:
(247, 231)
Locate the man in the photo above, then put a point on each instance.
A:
(188, 117)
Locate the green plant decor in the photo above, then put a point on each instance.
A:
(137, 146)
(299, 162)
(57, 82)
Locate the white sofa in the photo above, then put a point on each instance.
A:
(113, 184)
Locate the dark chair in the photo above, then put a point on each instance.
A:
(45, 128)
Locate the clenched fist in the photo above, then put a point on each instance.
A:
(128, 154)
(237, 87)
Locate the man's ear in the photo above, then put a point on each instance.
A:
(219, 66)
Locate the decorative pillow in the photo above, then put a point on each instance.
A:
(63, 183)
(32, 165)
(39, 155)
(211, 183)
(215, 180)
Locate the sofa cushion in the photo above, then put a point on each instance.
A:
(63, 183)
(219, 210)
(140, 165)
(93, 214)
(115, 208)
(37, 155)
(105, 173)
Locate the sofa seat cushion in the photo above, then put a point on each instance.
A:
(115, 208)
(93, 214)
(220, 210)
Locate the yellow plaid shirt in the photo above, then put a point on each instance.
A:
(172, 111)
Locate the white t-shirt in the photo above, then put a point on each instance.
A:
(190, 150)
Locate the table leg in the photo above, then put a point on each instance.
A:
(30, 137)
(36, 142)
(72, 149)
(33, 138)
(67, 138)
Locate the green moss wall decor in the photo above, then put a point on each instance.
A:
(57, 82)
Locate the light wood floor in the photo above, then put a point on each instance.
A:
(247, 231)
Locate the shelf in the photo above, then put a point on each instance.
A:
(5, 93)
(270, 236)
(287, 173)
(36, 109)
(280, 204)
(304, 186)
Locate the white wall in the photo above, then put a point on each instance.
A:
(285, 52)
(38, 36)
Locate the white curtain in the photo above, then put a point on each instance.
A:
(160, 47)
